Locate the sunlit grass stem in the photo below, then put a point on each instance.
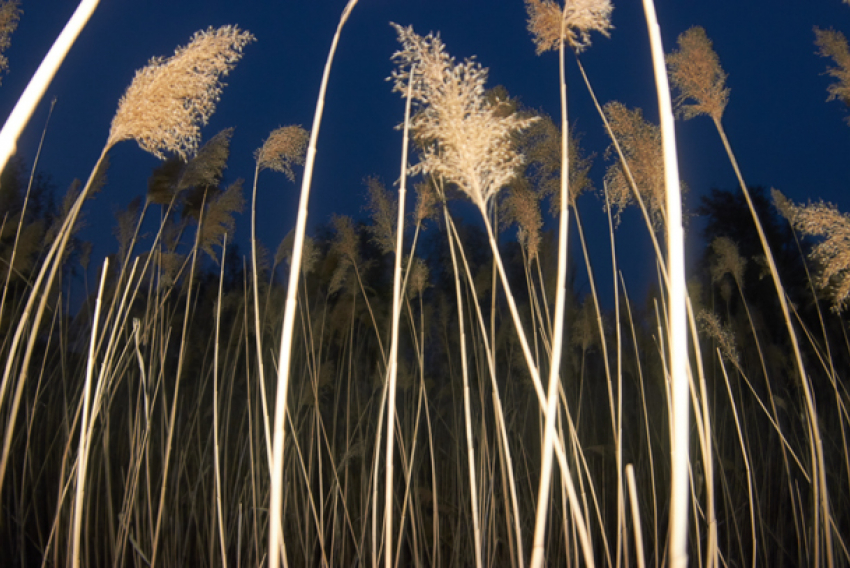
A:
(677, 324)
(285, 356)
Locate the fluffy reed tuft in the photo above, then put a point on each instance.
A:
(383, 210)
(465, 138)
(309, 257)
(218, 218)
(727, 260)
(722, 334)
(170, 99)
(832, 254)
(832, 43)
(641, 145)
(207, 167)
(578, 18)
(284, 148)
(695, 71)
(10, 13)
(522, 207)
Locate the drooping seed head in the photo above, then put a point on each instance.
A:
(284, 148)
(171, 98)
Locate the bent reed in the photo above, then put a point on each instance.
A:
(416, 397)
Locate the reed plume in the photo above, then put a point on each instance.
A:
(464, 138)
(170, 99)
(640, 142)
(722, 334)
(284, 148)
(728, 260)
(382, 208)
(577, 18)
(207, 167)
(10, 13)
(217, 220)
(695, 70)
(832, 43)
(832, 254)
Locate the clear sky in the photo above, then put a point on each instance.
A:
(785, 133)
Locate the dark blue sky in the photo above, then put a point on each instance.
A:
(783, 131)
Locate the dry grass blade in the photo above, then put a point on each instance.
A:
(170, 99)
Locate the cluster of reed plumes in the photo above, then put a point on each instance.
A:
(425, 398)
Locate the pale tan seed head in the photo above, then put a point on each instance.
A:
(207, 167)
(541, 145)
(10, 13)
(640, 142)
(727, 260)
(218, 218)
(722, 334)
(833, 44)
(309, 255)
(426, 201)
(383, 209)
(577, 18)
(284, 148)
(465, 138)
(832, 254)
(695, 71)
(170, 99)
(521, 206)
(418, 282)
(586, 326)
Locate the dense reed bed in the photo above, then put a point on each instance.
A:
(427, 386)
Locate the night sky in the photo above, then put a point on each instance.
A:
(784, 132)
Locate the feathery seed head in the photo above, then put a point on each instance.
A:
(309, 255)
(170, 99)
(727, 261)
(206, 168)
(784, 205)
(426, 201)
(418, 282)
(832, 254)
(549, 23)
(523, 208)
(640, 142)
(383, 209)
(284, 148)
(218, 218)
(722, 334)
(695, 70)
(10, 13)
(465, 139)
(541, 145)
(834, 44)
